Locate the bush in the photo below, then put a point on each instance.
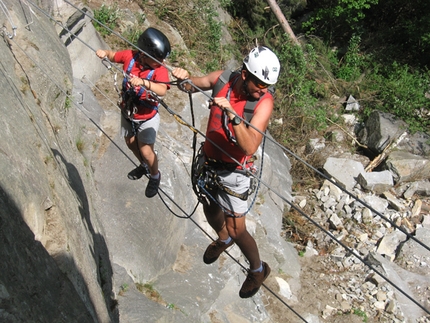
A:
(402, 92)
(107, 16)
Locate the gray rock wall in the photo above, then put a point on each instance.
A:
(54, 261)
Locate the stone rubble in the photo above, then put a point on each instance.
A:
(366, 233)
(376, 206)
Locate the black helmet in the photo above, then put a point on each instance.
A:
(154, 43)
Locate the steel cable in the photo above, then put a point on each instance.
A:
(350, 251)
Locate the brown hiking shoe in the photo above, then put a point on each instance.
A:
(214, 250)
(253, 282)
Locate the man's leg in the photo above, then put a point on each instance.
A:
(258, 271)
(215, 217)
(236, 228)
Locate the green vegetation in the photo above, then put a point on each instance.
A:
(132, 34)
(123, 289)
(149, 291)
(108, 16)
(67, 103)
(360, 313)
(200, 26)
(80, 144)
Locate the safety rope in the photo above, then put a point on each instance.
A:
(350, 251)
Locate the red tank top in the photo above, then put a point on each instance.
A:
(216, 135)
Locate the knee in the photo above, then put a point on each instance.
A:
(147, 150)
(236, 233)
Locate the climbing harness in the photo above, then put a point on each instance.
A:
(130, 98)
(205, 179)
(205, 176)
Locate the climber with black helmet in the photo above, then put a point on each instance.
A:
(238, 142)
(140, 119)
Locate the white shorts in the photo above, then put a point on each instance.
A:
(238, 183)
(146, 131)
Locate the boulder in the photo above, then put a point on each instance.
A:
(407, 167)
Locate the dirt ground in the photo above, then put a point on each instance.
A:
(317, 289)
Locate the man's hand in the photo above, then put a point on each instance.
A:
(224, 104)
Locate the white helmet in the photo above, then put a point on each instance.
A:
(264, 64)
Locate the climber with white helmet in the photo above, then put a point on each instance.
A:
(144, 73)
(230, 143)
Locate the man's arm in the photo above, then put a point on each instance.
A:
(204, 83)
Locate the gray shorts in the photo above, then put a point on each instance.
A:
(147, 131)
(238, 183)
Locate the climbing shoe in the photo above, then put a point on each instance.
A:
(214, 250)
(152, 187)
(253, 281)
(138, 172)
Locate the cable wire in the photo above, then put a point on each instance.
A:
(350, 251)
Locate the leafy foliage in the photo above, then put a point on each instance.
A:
(108, 16)
(370, 36)
(330, 17)
(403, 94)
(200, 26)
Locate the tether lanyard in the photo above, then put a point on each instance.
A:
(225, 119)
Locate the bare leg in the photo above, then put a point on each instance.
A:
(149, 156)
(132, 145)
(226, 226)
(237, 230)
(216, 219)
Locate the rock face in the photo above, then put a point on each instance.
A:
(54, 264)
(78, 237)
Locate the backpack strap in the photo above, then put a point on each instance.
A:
(223, 79)
(129, 67)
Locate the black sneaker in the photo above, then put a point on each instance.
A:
(138, 172)
(214, 250)
(253, 282)
(152, 187)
